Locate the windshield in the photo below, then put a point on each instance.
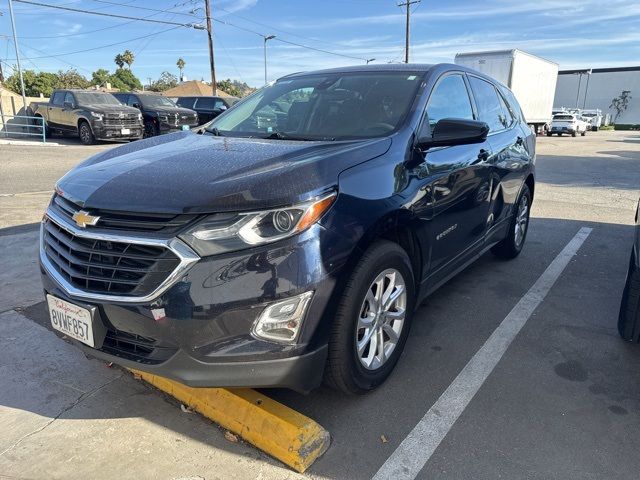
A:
(324, 107)
(96, 98)
(588, 114)
(156, 101)
(563, 117)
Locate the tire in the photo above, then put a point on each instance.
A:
(583, 133)
(85, 133)
(150, 129)
(629, 316)
(347, 368)
(573, 134)
(47, 132)
(512, 244)
(549, 134)
(559, 134)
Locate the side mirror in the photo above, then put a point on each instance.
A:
(136, 105)
(455, 131)
(68, 105)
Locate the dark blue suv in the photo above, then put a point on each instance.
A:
(292, 239)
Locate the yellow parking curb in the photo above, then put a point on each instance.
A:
(274, 428)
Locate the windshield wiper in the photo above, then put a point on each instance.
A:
(286, 136)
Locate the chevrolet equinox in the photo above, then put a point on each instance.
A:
(292, 238)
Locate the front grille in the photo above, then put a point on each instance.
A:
(137, 222)
(135, 347)
(107, 267)
(128, 120)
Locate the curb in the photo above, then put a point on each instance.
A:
(274, 428)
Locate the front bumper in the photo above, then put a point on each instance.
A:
(168, 128)
(113, 132)
(203, 337)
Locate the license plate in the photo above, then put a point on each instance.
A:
(70, 319)
(125, 131)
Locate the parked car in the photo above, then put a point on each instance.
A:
(594, 117)
(91, 115)
(569, 123)
(208, 108)
(160, 114)
(629, 317)
(297, 234)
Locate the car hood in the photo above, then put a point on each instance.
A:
(189, 173)
(102, 108)
(170, 110)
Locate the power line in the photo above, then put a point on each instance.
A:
(147, 8)
(104, 46)
(112, 15)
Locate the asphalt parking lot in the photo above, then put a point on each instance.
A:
(562, 400)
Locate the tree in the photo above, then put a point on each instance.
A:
(180, 63)
(165, 82)
(620, 103)
(228, 86)
(119, 60)
(128, 57)
(71, 79)
(125, 80)
(34, 83)
(100, 77)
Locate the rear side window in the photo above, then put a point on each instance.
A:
(122, 97)
(58, 98)
(185, 102)
(490, 107)
(206, 103)
(513, 104)
(449, 99)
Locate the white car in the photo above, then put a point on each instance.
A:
(569, 123)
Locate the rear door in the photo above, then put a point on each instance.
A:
(54, 108)
(458, 181)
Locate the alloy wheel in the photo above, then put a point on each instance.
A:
(522, 221)
(381, 319)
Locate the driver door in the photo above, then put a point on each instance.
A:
(458, 181)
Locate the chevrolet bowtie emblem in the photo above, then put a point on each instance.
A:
(83, 219)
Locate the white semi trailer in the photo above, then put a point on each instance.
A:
(532, 79)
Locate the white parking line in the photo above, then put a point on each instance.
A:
(418, 447)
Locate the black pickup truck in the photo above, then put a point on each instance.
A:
(89, 114)
(160, 114)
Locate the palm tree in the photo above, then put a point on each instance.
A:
(180, 63)
(119, 60)
(128, 57)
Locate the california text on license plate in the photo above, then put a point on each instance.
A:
(125, 131)
(70, 319)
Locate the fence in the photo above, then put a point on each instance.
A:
(22, 126)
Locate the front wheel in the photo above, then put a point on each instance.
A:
(512, 244)
(85, 133)
(150, 129)
(372, 320)
(583, 133)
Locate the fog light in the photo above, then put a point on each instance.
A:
(281, 321)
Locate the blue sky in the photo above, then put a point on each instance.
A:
(586, 33)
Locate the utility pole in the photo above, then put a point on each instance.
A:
(214, 86)
(408, 4)
(266, 37)
(15, 44)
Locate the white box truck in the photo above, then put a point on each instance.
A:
(532, 79)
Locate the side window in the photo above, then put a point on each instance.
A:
(68, 97)
(206, 103)
(58, 98)
(185, 102)
(506, 112)
(132, 99)
(512, 102)
(449, 99)
(489, 106)
(219, 105)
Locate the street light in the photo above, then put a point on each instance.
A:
(266, 38)
(370, 60)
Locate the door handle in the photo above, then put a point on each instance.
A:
(519, 141)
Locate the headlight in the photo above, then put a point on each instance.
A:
(139, 116)
(227, 232)
(163, 118)
(96, 115)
